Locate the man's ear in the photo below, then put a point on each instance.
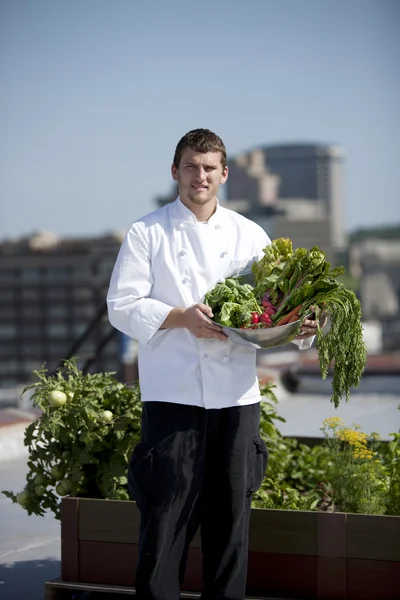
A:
(174, 172)
(224, 175)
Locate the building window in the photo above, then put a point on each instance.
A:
(6, 296)
(7, 313)
(84, 310)
(58, 349)
(79, 328)
(9, 382)
(56, 330)
(30, 294)
(8, 367)
(32, 330)
(57, 310)
(31, 349)
(30, 273)
(7, 273)
(31, 311)
(52, 273)
(82, 272)
(7, 331)
(56, 293)
(31, 365)
(82, 293)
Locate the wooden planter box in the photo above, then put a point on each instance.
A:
(292, 554)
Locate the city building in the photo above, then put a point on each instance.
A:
(376, 262)
(292, 190)
(52, 290)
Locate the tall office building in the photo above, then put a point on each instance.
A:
(293, 190)
(312, 172)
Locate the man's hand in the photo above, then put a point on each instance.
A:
(310, 327)
(195, 319)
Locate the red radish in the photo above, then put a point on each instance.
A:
(265, 300)
(270, 310)
(255, 318)
(265, 318)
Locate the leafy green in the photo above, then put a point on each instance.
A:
(307, 278)
(232, 302)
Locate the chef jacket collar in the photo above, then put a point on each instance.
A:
(181, 214)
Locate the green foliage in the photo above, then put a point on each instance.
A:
(296, 472)
(359, 477)
(390, 456)
(75, 448)
(82, 447)
(305, 277)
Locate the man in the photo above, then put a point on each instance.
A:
(201, 456)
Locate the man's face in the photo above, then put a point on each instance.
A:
(199, 176)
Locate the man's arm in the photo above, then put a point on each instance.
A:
(132, 311)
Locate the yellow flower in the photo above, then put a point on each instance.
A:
(333, 422)
(361, 452)
(354, 438)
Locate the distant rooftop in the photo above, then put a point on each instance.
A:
(46, 242)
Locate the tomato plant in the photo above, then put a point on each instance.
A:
(82, 442)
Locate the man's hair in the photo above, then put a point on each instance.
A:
(200, 140)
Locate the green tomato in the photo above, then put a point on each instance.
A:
(39, 490)
(57, 398)
(107, 416)
(61, 491)
(56, 472)
(23, 498)
(63, 488)
(39, 479)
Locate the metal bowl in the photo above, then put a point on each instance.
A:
(264, 338)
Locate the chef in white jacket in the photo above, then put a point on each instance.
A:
(201, 456)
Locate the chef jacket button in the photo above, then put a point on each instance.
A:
(225, 358)
(182, 252)
(224, 253)
(217, 226)
(180, 226)
(185, 280)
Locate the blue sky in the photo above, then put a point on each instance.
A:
(96, 94)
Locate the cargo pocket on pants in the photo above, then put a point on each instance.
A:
(259, 465)
(140, 466)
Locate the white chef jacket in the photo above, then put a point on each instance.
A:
(170, 260)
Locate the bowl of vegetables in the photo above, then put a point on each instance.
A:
(249, 322)
(286, 285)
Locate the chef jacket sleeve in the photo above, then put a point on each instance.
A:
(130, 309)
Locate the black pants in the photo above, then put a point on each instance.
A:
(195, 467)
